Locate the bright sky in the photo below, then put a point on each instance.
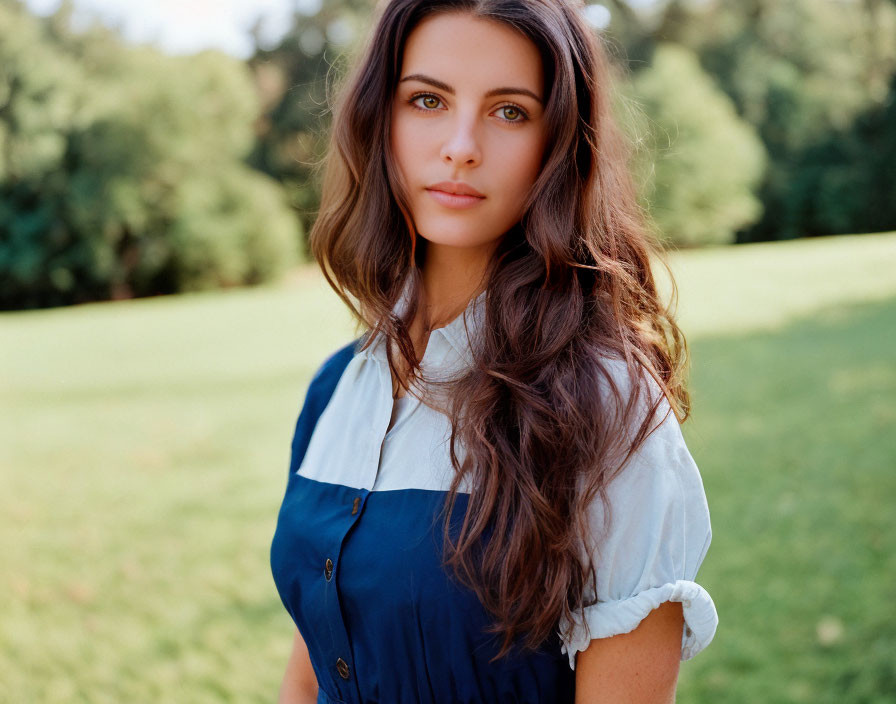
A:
(186, 27)
(181, 27)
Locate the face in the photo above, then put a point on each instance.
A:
(468, 116)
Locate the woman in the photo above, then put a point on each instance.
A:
(489, 498)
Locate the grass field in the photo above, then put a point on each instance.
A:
(145, 448)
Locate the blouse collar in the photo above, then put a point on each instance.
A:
(447, 345)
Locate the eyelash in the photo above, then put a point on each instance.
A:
(524, 115)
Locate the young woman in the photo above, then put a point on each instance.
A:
(489, 496)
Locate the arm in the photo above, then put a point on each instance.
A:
(639, 667)
(299, 681)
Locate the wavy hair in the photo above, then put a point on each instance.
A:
(568, 287)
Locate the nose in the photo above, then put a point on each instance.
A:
(461, 147)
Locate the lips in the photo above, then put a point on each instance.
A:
(458, 188)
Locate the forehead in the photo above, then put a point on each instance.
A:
(469, 51)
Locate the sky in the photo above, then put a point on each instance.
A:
(180, 27)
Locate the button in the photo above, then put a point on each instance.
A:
(342, 668)
(328, 569)
(355, 505)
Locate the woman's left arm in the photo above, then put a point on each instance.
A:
(639, 667)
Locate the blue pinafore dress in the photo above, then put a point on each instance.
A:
(384, 622)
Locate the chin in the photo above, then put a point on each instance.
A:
(455, 239)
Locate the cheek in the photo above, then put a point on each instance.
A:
(521, 166)
(408, 143)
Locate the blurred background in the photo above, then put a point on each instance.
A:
(161, 319)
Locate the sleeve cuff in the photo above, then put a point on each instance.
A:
(610, 618)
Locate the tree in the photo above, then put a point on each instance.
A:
(122, 170)
(703, 162)
(800, 72)
(295, 79)
(848, 179)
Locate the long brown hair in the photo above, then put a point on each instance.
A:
(568, 288)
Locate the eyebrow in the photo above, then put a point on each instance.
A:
(448, 89)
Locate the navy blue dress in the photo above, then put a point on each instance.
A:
(385, 623)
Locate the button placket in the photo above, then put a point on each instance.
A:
(342, 651)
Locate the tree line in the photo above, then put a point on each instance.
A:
(126, 172)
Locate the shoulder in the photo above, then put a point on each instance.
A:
(324, 380)
(334, 364)
(327, 376)
(631, 393)
(320, 390)
(658, 486)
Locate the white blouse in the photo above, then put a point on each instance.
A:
(661, 526)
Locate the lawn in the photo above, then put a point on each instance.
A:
(146, 445)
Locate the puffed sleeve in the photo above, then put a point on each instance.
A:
(654, 546)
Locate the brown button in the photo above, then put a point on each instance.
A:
(355, 505)
(342, 668)
(328, 569)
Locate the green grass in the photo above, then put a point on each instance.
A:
(794, 435)
(733, 290)
(145, 448)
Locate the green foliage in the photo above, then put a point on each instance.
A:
(848, 178)
(704, 161)
(801, 72)
(296, 79)
(33, 109)
(123, 171)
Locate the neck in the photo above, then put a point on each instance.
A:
(452, 277)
